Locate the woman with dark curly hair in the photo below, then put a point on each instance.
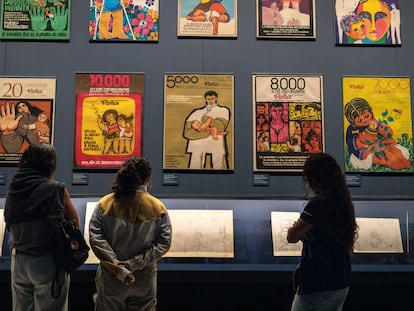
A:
(129, 231)
(328, 230)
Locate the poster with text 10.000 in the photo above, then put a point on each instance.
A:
(108, 119)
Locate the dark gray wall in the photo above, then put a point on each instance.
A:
(242, 56)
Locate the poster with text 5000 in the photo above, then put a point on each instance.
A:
(198, 121)
(287, 121)
(35, 19)
(377, 124)
(108, 119)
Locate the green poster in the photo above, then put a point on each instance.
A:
(35, 19)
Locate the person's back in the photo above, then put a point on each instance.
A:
(129, 231)
(33, 204)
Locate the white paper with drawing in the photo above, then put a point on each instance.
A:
(90, 207)
(2, 227)
(281, 221)
(378, 235)
(202, 233)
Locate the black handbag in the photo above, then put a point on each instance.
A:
(70, 250)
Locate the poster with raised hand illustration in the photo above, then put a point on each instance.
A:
(123, 20)
(367, 22)
(207, 18)
(35, 19)
(27, 107)
(377, 124)
(198, 122)
(287, 121)
(285, 19)
(108, 119)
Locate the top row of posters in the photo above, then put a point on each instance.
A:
(366, 22)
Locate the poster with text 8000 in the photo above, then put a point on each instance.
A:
(377, 125)
(287, 121)
(108, 119)
(198, 121)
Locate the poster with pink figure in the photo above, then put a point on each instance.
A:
(287, 121)
(123, 20)
(368, 22)
(285, 19)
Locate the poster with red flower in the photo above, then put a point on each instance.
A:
(123, 20)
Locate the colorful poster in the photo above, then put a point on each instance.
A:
(35, 19)
(198, 121)
(285, 19)
(123, 20)
(368, 22)
(287, 121)
(207, 18)
(377, 124)
(26, 115)
(108, 119)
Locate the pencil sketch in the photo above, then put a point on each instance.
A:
(281, 221)
(2, 227)
(202, 233)
(378, 235)
(90, 207)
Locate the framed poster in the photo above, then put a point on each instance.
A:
(207, 18)
(201, 233)
(368, 22)
(377, 124)
(285, 19)
(198, 121)
(287, 121)
(126, 20)
(27, 115)
(35, 20)
(108, 119)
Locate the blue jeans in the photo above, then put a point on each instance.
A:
(31, 284)
(330, 300)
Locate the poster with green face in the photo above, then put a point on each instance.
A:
(35, 20)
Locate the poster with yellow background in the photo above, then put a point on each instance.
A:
(377, 124)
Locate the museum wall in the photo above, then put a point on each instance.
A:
(241, 56)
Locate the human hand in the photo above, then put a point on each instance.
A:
(37, 17)
(59, 21)
(129, 279)
(8, 120)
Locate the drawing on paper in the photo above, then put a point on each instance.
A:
(90, 207)
(378, 235)
(2, 227)
(281, 221)
(200, 233)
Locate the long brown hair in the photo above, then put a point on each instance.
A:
(135, 171)
(326, 180)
